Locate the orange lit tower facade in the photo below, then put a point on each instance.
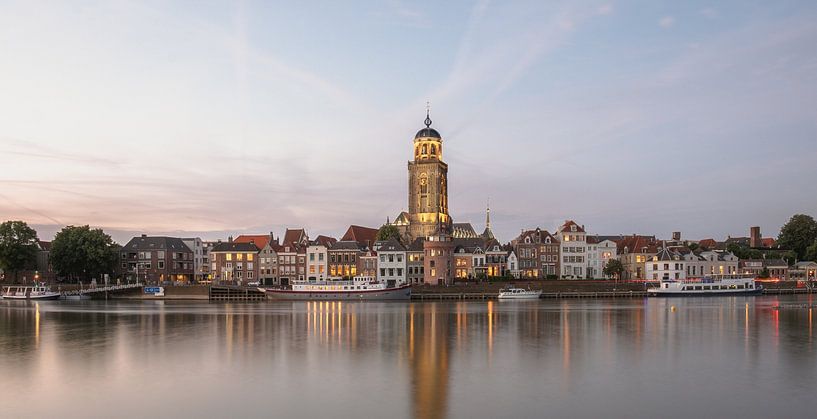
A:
(428, 185)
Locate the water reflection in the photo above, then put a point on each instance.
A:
(424, 360)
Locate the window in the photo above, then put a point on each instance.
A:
(160, 264)
(229, 256)
(249, 256)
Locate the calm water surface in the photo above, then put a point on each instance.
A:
(698, 357)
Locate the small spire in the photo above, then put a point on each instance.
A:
(428, 114)
(488, 215)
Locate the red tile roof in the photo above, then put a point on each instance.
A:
(768, 242)
(708, 243)
(325, 240)
(259, 240)
(568, 223)
(294, 236)
(364, 236)
(636, 244)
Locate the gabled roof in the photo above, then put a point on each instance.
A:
(364, 236)
(708, 243)
(402, 219)
(44, 245)
(390, 245)
(637, 244)
(665, 254)
(345, 245)
(567, 227)
(416, 245)
(768, 242)
(325, 241)
(294, 237)
(156, 243)
(260, 240)
(234, 247)
(537, 236)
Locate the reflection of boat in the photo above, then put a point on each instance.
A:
(358, 289)
(36, 292)
(511, 293)
(714, 285)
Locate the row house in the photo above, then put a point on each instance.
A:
(777, 268)
(234, 263)
(574, 250)
(537, 253)
(157, 259)
(367, 264)
(599, 253)
(633, 252)
(471, 258)
(438, 256)
(292, 256)
(667, 264)
(196, 245)
(343, 259)
(317, 258)
(709, 262)
(267, 255)
(391, 262)
(513, 264)
(805, 271)
(415, 270)
(496, 259)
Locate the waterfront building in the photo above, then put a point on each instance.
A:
(292, 256)
(709, 262)
(495, 259)
(573, 250)
(806, 271)
(391, 262)
(45, 272)
(206, 274)
(777, 268)
(415, 256)
(157, 259)
(513, 264)
(438, 252)
(234, 263)
(367, 264)
(317, 262)
(196, 245)
(667, 264)
(267, 256)
(343, 259)
(599, 252)
(633, 251)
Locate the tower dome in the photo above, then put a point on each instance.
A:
(428, 132)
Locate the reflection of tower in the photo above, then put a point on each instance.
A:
(428, 184)
(428, 352)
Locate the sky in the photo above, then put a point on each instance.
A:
(205, 118)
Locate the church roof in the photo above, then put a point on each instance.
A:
(428, 133)
(463, 230)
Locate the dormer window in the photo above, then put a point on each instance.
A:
(573, 227)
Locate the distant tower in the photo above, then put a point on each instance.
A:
(428, 183)
(488, 234)
(754, 237)
(676, 236)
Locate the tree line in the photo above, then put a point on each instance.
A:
(77, 252)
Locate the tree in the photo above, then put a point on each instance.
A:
(798, 234)
(764, 273)
(811, 252)
(613, 268)
(82, 252)
(388, 231)
(18, 247)
(693, 246)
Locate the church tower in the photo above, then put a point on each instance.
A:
(428, 184)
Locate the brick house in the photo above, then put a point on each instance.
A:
(157, 260)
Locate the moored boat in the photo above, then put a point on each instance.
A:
(512, 293)
(358, 289)
(710, 285)
(24, 292)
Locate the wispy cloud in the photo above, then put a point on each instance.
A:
(666, 22)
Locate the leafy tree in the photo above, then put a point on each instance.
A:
(811, 252)
(798, 234)
(18, 247)
(764, 273)
(82, 252)
(693, 246)
(388, 231)
(613, 268)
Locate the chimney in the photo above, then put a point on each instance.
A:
(144, 235)
(754, 237)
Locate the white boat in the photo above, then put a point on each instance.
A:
(711, 285)
(519, 294)
(35, 292)
(357, 289)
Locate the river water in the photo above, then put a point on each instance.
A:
(669, 358)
